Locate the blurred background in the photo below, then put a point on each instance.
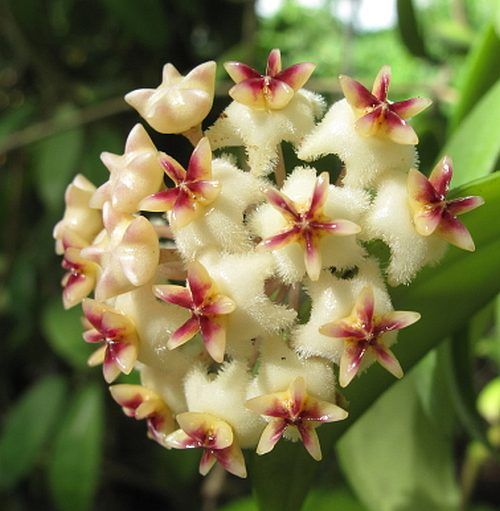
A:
(64, 68)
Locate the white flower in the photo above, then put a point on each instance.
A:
(314, 228)
(223, 395)
(261, 131)
(390, 219)
(366, 159)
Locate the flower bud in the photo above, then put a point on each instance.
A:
(179, 102)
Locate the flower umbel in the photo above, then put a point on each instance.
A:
(278, 297)
(271, 91)
(379, 116)
(432, 213)
(297, 410)
(363, 332)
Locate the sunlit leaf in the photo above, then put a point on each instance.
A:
(481, 72)
(27, 427)
(459, 366)
(433, 390)
(475, 145)
(396, 458)
(74, 466)
(63, 331)
(409, 29)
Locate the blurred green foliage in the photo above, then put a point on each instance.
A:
(64, 66)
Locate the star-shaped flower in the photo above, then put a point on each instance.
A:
(179, 103)
(307, 224)
(214, 436)
(379, 116)
(294, 409)
(116, 331)
(208, 310)
(271, 91)
(363, 332)
(134, 175)
(194, 188)
(432, 213)
(142, 403)
(80, 279)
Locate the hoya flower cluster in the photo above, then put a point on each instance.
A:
(197, 269)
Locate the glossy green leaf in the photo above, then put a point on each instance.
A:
(145, 21)
(481, 72)
(63, 331)
(461, 285)
(27, 427)
(409, 29)
(433, 390)
(282, 479)
(55, 161)
(475, 145)
(74, 466)
(395, 458)
(458, 364)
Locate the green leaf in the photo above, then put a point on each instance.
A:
(55, 161)
(461, 285)
(282, 479)
(245, 504)
(409, 29)
(63, 331)
(433, 390)
(146, 21)
(475, 145)
(28, 425)
(74, 466)
(481, 72)
(459, 367)
(14, 119)
(386, 454)
(488, 403)
(329, 500)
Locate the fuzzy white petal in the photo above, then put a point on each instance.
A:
(366, 158)
(221, 227)
(224, 395)
(261, 131)
(390, 220)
